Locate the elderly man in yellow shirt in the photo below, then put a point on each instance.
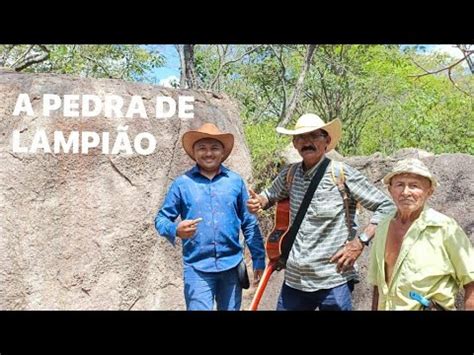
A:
(417, 248)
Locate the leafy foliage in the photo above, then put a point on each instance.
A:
(265, 147)
(373, 89)
(128, 62)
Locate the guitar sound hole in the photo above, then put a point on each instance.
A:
(275, 236)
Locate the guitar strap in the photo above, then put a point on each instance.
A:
(289, 177)
(291, 236)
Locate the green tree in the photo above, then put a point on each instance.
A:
(128, 62)
(425, 112)
(374, 89)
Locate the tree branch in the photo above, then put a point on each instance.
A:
(279, 56)
(223, 63)
(32, 59)
(93, 60)
(449, 68)
(299, 85)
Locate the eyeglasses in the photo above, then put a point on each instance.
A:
(309, 136)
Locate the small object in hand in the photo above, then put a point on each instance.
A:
(426, 303)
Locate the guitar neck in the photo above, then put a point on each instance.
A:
(262, 285)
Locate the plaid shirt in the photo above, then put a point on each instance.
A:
(323, 230)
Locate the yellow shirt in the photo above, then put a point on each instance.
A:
(436, 259)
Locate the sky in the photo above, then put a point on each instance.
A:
(170, 71)
(450, 49)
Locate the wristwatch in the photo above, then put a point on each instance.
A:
(364, 238)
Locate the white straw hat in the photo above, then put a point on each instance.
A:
(310, 122)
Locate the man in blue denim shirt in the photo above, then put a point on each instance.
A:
(211, 201)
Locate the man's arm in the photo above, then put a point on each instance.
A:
(375, 298)
(461, 255)
(276, 192)
(469, 296)
(170, 210)
(347, 256)
(371, 198)
(252, 234)
(373, 271)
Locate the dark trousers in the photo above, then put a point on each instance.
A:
(338, 298)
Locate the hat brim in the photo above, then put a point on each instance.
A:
(389, 176)
(191, 137)
(334, 129)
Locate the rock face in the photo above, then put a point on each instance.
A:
(453, 197)
(77, 230)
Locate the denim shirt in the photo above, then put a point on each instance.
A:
(221, 203)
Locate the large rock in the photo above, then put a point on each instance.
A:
(453, 197)
(76, 230)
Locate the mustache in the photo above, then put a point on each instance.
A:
(308, 147)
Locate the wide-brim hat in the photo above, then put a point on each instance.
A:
(207, 130)
(410, 166)
(310, 122)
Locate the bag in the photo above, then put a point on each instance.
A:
(243, 275)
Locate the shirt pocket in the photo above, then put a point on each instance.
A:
(425, 263)
(326, 205)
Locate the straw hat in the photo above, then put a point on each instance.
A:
(410, 166)
(207, 130)
(310, 122)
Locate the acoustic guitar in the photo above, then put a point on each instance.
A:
(274, 245)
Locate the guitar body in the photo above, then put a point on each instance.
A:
(276, 239)
(274, 246)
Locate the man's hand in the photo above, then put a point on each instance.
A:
(187, 228)
(255, 203)
(347, 256)
(257, 275)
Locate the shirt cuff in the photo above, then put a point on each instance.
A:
(270, 202)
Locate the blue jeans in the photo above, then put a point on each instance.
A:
(333, 299)
(202, 288)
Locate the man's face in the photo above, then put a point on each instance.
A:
(410, 191)
(311, 146)
(208, 153)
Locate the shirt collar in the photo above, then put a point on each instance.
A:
(222, 170)
(429, 217)
(310, 173)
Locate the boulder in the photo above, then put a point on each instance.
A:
(77, 230)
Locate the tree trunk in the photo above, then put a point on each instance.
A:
(188, 77)
(182, 77)
(286, 114)
(189, 69)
